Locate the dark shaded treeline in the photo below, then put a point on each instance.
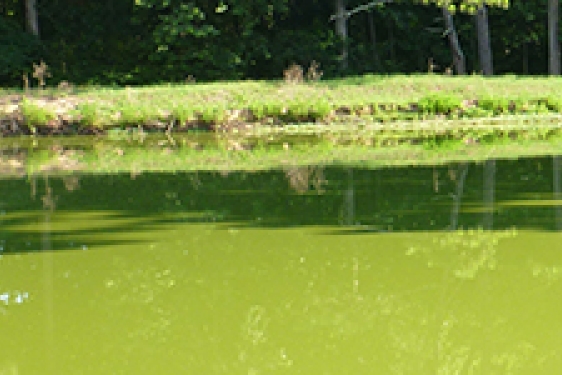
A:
(126, 42)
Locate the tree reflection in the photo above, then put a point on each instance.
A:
(489, 193)
(349, 200)
(557, 187)
(49, 205)
(457, 197)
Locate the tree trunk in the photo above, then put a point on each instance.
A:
(525, 57)
(341, 31)
(31, 17)
(373, 37)
(553, 44)
(484, 48)
(391, 42)
(456, 50)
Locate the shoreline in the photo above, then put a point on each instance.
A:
(233, 107)
(242, 121)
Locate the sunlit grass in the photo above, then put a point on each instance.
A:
(370, 98)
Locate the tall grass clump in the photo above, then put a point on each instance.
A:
(184, 113)
(497, 105)
(553, 103)
(319, 110)
(300, 110)
(271, 109)
(35, 115)
(439, 103)
(89, 114)
(131, 114)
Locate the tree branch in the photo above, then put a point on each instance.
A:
(360, 8)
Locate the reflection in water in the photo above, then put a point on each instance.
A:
(348, 208)
(384, 271)
(489, 193)
(557, 187)
(460, 178)
(49, 205)
(9, 369)
(13, 298)
(464, 253)
(302, 179)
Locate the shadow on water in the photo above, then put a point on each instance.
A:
(523, 194)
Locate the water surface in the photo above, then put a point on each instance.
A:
(451, 269)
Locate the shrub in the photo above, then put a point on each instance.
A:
(294, 74)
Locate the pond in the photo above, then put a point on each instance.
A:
(318, 269)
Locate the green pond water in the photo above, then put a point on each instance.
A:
(450, 269)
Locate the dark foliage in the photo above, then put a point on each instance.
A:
(150, 41)
(18, 50)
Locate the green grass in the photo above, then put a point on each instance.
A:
(35, 115)
(372, 98)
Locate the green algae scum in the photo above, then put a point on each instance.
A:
(447, 267)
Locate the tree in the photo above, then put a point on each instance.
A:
(373, 40)
(483, 33)
(341, 31)
(209, 40)
(553, 43)
(31, 17)
(18, 48)
(456, 50)
(482, 29)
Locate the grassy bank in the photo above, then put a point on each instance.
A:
(236, 106)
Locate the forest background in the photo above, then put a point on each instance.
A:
(150, 41)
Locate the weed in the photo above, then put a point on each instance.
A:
(41, 72)
(314, 73)
(294, 74)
